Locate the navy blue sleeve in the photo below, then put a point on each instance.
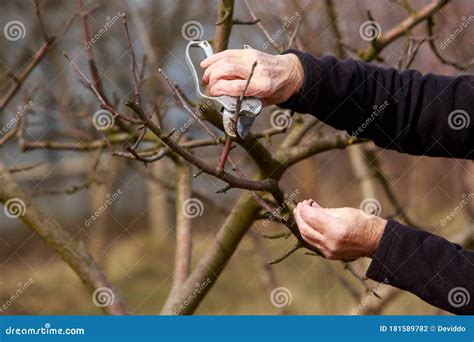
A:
(436, 270)
(405, 111)
(411, 113)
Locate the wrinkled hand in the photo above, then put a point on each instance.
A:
(275, 78)
(340, 233)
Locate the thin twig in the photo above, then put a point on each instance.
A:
(238, 105)
(133, 64)
(103, 102)
(286, 254)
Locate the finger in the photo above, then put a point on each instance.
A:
(227, 72)
(232, 88)
(224, 54)
(225, 62)
(306, 230)
(317, 218)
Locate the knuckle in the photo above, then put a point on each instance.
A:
(332, 256)
(344, 233)
(327, 254)
(214, 91)
(333, 246)
(304, 232)
(252, 53)
(305, 238)
(235, 87)
(227, 68)
(225, 62)
(267, 86)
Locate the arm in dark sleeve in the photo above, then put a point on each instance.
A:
(404, 111)
(436, 270)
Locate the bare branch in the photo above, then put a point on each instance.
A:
(399, 30)
(74, 253)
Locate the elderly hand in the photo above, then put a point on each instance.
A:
(341, 233)
(275, 78)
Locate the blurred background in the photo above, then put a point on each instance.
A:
(133, 238)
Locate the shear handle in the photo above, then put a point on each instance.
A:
(206, 47)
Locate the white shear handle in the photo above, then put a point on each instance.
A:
(207, 48)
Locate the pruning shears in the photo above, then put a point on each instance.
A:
(224, 104)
